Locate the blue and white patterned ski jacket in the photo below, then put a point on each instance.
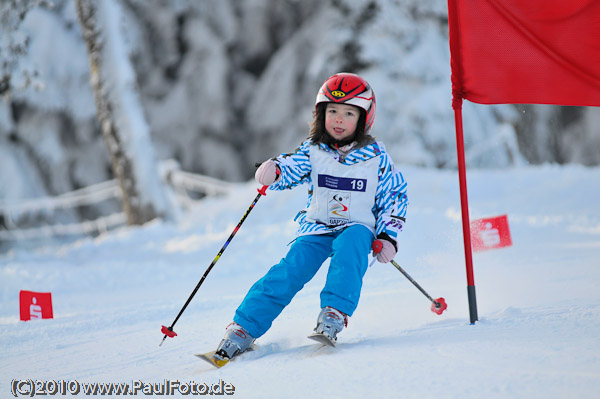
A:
(388, 206)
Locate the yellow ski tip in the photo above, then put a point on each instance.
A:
(213, 359)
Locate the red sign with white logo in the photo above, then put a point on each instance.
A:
(35, 305)
(490, 233)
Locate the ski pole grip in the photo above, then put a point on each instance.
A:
(263, 189)
(377, 246)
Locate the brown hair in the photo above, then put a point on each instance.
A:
(318, 134)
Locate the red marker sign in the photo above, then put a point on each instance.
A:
(35, 305)
(490, 233)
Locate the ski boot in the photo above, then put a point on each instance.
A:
(330, 322)
(236, 341)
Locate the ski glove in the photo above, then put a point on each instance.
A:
(267, 173)
(388, 251)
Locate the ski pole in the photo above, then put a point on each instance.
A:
(437, 305)
(168, 331)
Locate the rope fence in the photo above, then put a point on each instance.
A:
(187, 187)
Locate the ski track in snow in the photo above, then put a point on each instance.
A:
(538, 301)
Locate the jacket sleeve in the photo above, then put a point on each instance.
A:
(295, 168)
(390, 199)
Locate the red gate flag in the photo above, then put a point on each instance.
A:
(526, 51)
(35, 305)
(490, 233)
(519, 52)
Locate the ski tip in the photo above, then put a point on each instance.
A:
(212, 358)
(322, 339)
(218, 361)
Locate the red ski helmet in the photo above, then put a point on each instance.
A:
(349, 88)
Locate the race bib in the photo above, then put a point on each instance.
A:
(342, 183)
(343, 194)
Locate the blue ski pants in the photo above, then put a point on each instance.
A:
(348, 248)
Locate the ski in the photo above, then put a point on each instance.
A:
(322, 339)
(218, 361)
(213, 359)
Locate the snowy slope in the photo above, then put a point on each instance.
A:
(539, 303)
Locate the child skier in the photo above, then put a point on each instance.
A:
(355, 196)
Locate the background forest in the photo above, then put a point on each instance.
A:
(224, 84)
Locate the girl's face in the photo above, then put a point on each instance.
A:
(341, 120)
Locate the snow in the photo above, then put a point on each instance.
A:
(538, 300)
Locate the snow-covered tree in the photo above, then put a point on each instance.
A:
(122, 121)
(14, 43)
